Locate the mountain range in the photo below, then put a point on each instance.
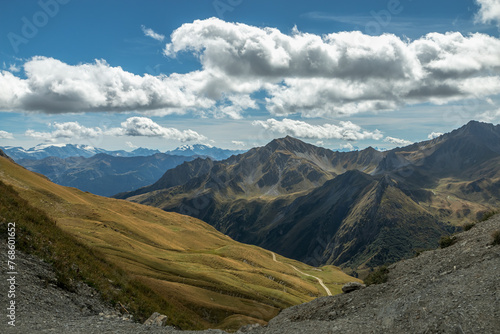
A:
(212, 152)
(103, 174)
(143, 259)
(355, 209)
(69, 150)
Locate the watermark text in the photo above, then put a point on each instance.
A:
(11, 274)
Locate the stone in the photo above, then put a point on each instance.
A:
(352, 286)
(156, 319)
(249, 328)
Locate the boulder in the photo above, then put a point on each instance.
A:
(352, 286)
(156, 319)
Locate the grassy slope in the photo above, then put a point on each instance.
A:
(73, 262)
(201, 274)
(454, 204)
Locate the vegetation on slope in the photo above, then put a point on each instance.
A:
(496, 238)
(39, 235)
(180, 265)
(378, 276)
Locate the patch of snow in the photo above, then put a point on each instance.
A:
(40, 147)
(185, 148)
(89, 148)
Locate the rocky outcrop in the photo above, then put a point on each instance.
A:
(352, 286)
(156, 319)
(43, 306)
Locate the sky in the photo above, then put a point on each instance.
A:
(121, 74)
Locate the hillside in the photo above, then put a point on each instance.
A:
(450, 290)
(355, 209)
(355, 219)
(201, 277)
(103, 174)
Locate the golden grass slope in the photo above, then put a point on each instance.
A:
(218, 281)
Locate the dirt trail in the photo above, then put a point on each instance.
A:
(320, 281)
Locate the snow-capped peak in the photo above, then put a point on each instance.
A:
(185, 148)
(41, 147)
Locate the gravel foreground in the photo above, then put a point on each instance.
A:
(451, 290)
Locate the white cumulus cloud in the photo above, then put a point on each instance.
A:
(133, 126)
(6, 135)
(238, 143)
(52, 86)
(398, 141)
(490, 116)
(489, 11)
(146, 127)
(434, 135)
(130, 144)
(297, 73)
(151, 33)
(340, 73)
(345, 130)
(234, 105)
(67, 130)
(348, 146)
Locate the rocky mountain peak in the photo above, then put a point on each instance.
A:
(480, 130)
(289, 144)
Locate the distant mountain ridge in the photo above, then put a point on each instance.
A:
(361, 208)
(103, 174)
(204, 150)
(69, 150)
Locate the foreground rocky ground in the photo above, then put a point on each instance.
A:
(451, 290)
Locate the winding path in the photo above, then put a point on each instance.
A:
(328, 292)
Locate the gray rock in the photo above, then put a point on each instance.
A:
(156, 319)
(352, 286)
(248, 328)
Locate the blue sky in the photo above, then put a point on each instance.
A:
(238, 73)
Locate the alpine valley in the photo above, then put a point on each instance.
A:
(144, 260)
(355, 209)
